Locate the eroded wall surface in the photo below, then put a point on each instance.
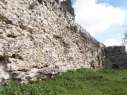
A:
(39, 38)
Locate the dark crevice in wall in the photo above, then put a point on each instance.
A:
(11, 36)
(4, 59)
(40, 1)
(4, 19)
(16, 56)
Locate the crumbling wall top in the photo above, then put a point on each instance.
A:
(66, 5)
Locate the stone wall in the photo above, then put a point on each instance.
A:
(115, 57)
(39, 38)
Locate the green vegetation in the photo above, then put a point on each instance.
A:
(80, 82)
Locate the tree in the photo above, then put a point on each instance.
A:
(125, 37)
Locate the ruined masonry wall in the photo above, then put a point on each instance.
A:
(39, 38)
(115, 57)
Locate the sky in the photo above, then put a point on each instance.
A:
(106, 20)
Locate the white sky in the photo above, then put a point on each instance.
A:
(97, 18)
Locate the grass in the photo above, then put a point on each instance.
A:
(80, 82)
